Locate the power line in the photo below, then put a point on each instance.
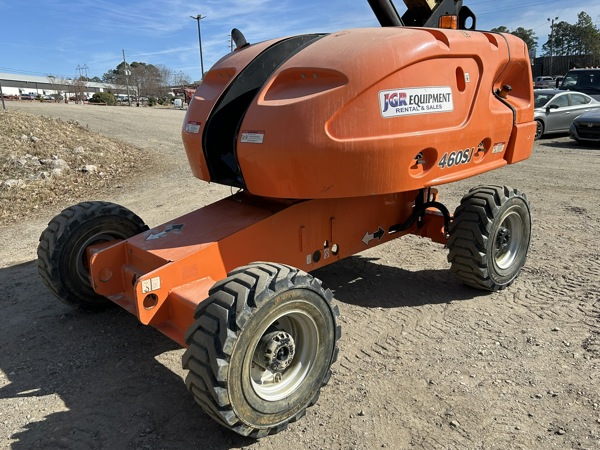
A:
(29, 72)
(518, 5)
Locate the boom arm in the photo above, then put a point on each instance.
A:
(422, 13)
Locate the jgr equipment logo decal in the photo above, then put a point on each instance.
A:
(406, 102)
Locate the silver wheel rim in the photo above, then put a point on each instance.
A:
(509, 239)
(274, 386)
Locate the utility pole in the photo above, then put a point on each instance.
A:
(2, 97)
(230, 42)
(551, 40)
(127, 73)
(52, 80)
(198, 18)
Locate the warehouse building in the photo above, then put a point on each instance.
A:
(29, 87)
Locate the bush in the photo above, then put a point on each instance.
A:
(104, 97)
(152, 101)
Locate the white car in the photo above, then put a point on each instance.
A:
(544, 82)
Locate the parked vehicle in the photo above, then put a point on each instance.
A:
(558, 81)
(586, 127)
(544, 82)
(583, 80)
(555, 109)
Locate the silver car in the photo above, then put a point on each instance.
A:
(555, 110)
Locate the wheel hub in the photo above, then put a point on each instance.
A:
(503, 238)
(275, 351)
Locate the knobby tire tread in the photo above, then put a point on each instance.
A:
(207, 381)
(470, 231)
(56, 235)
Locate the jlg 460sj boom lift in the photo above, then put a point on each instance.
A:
(336, 142)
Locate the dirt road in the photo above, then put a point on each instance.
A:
(425, 362)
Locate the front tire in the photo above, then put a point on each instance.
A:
(490, 236)
(62, 259)
(261, 348)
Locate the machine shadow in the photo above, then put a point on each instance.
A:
(103, 380)
(365, 282)
(568, 145)
(93, 380)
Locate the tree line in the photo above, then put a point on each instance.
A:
(146, 80)
(565, 39)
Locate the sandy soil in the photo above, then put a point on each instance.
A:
(425, 362)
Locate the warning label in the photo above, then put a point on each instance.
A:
(253, 137)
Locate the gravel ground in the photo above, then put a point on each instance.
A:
(425, 362)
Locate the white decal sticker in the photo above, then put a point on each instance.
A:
(150, 285)
(308, 259)
(146, 286)
(192, 127)
(326, 253)
(498, 148)
(467, 78)
(155, 282)
(407, 102)
(253, 137)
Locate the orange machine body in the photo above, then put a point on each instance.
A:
(336, 141)
(369, 111)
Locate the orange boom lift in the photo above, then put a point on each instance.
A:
(336, 143)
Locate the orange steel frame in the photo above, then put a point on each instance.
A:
(162, 274)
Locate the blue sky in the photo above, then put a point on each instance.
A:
(56, 36)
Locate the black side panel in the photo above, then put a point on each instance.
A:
(222, 127)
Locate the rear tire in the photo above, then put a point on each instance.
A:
(261, 348)
(62, 259)
(490, 236)
(539, 129)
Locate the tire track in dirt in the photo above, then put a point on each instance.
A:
(591, 308)
(509, 325)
